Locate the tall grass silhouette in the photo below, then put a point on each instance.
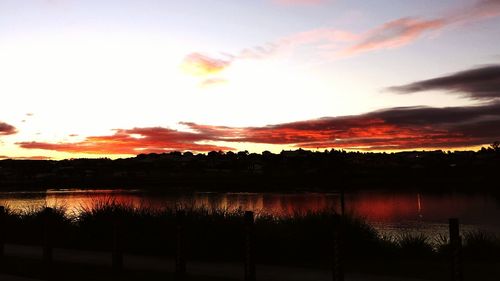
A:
(217, 234)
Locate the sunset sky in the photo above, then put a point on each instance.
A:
(118, 78)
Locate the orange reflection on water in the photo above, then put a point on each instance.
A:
(273, 204)
(377, 207)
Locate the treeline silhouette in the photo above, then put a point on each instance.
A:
(242, 171)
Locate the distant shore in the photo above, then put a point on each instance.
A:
(299, 170)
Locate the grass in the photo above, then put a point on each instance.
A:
(304, 238)
(480, 245)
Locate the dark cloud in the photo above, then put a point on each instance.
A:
(482, 83)
(6, 129)
(393, 128)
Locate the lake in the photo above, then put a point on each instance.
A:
(389, 212)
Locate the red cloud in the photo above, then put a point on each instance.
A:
(6, 129)
(389, 129)
(133, 141)
(356, 132)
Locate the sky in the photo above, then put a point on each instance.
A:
(120, 78)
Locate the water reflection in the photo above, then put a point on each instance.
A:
(387, 211)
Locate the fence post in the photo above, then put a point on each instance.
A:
(3, 215)
(47, 235)
(249, 247)
(180, 258)
(117, 256)
(342, 202)
(456, 250)
(337, 259)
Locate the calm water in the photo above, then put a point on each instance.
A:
(389, 212)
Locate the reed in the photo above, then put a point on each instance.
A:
(217, 234)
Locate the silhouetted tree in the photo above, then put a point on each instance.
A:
(495, 145)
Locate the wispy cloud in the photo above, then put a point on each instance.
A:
(212, 82)
(206, 67)
(482, 83)
(393, 34)
(482, 9)
(202, 65)
(299, 2)
(406, 30)
(336, 43)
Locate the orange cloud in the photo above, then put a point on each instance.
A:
(132, 141)
(389, 129)
(26, 157)
(201, 65)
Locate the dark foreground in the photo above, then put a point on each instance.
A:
(84, 265)
(215, 246)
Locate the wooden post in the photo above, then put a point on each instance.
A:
(342, 202)
(117, 256)
(456, 250)
(337, 260)
(249, 247)
(180, 251)
(48, 214)
(2, 231)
